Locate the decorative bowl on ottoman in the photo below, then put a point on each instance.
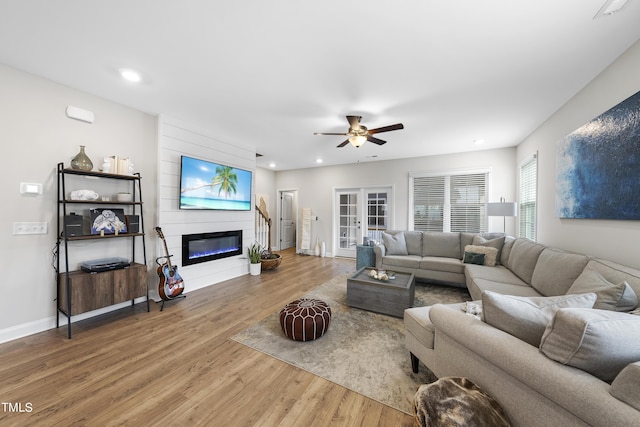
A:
(305, 319)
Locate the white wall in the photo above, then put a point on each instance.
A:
(316, 185)
(613, 240)
(177, 138)
(36, 135)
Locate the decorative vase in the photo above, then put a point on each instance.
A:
(317, 251)
(255, 269)
(323, 250)
(81, 161)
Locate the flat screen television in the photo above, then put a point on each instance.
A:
(209, 185)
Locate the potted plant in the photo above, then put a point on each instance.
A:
(255, 251)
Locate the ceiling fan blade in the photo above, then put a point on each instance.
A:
(386, 128)
(354, 121)
(375, 140)
(326, 133)
(343, 144)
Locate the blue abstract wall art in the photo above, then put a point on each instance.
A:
(598, 166)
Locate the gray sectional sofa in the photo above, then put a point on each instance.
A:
(557, 341)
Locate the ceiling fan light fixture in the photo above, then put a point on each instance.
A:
(610, 7)
(358, 140)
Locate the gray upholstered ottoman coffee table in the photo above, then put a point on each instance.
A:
(387, 297)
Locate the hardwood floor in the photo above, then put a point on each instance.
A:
(180, 366)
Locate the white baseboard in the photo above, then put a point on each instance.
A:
(37, 326)
(26, 329)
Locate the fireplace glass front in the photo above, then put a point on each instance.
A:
(203, 247)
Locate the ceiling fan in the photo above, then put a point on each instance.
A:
(358, 134)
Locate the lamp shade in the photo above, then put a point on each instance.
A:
(501, 209)
(358, 140)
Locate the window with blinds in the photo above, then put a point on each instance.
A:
(428, 203)
(456, 202)
(528, 197)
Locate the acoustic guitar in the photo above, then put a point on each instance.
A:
(171, 284)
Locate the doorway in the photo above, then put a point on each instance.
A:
(287, 219)
(361, 212)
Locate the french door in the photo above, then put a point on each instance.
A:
(360, 212)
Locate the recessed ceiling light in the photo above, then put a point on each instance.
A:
(318, 160)
(272, 165)
(478, 141)
(130, 75)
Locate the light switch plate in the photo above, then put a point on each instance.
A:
(30, 188)
(30, 228)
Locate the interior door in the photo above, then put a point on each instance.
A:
(287, 223)
(349, 230)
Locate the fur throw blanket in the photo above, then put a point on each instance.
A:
(456, 402)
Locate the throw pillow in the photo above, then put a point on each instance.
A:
(473, 258)
(395, 243)
(617, 297)
(490, 254)
(601, 342)
(527, 317)
(625, 386)
(497, 243)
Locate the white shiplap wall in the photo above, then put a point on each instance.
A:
(176, 138)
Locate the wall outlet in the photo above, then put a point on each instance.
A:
(30, 228)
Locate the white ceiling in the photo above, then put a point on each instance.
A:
(271, 73)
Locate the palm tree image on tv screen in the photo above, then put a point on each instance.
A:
(209, 185)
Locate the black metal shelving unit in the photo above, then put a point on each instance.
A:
(135, 206)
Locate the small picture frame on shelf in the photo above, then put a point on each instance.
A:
(107, 221)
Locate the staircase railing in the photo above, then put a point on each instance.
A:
(263, 229)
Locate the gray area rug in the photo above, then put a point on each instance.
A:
(362, 351)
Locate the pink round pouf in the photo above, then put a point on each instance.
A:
(305, 319)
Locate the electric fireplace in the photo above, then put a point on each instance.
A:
(203, 247)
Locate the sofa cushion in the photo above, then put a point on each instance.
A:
(556, 270)
(490, 253)
(498, 279)
(497, 243)
(417, 322)
(395, 244)
(465, 239)
(480, 285)
(506, 250)
(527, 317)
(523, 258)
(452, 265)
(414, 242)
(600, 342)
(436, 243)
(617, 297)
(625, 386)
(406, 261)
(498, 274)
